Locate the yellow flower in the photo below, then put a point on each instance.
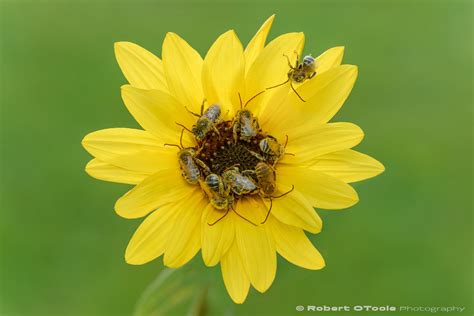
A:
(183, 217)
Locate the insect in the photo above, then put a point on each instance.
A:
(244, 122)
(220, 196)
(188, 162)
(207, 121)
(239, 183)
(300, 72)
(217, 192)
(271, 147)
(267, 185)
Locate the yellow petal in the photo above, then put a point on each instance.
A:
(235, 278)
(216, 239)
(223, 71)
(150, 239)
(329, 59)
(271, 67)
(256, 248)
(293, 209)
(324, 95)
(293, 245)
(130, 149)
(256, 44)
(184, 239)
(107, 172)
(165, 186)
(182, 65)
(319, 189)
(141, 68)
(348, 165)
(157, 112)
(307, 144)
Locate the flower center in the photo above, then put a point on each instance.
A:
(220, 151)
(232, 158)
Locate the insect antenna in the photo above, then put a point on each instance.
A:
(282, 195)
(248, 101)
(184, 127)
(278, 85)
(195, 114)
(286, 143)
(181, 138)
(180, 141)
(269, 210)
(174, 145)
(294, 90)
(243, 217)
(220, 218)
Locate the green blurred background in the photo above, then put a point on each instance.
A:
(407, 242)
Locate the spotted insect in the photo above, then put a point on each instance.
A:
(189, 163)
(245, 124)
(206, 122)
(299, 72)
(239, 184)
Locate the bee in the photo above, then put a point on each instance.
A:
(271, 150)
(189, 169)
(207, 121)
(220, 196)
(271, 147)
(189, 163)
(266, 178)
(239, 183)
(300, 72)
(244, 122)
(217, 192)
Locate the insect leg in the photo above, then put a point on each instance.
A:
(245, 172)
(216, 130)
(202, 164)
(256, 155)
(297, 58)
(289, 63)
(202, 106)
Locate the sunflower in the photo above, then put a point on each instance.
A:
(235, 153)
